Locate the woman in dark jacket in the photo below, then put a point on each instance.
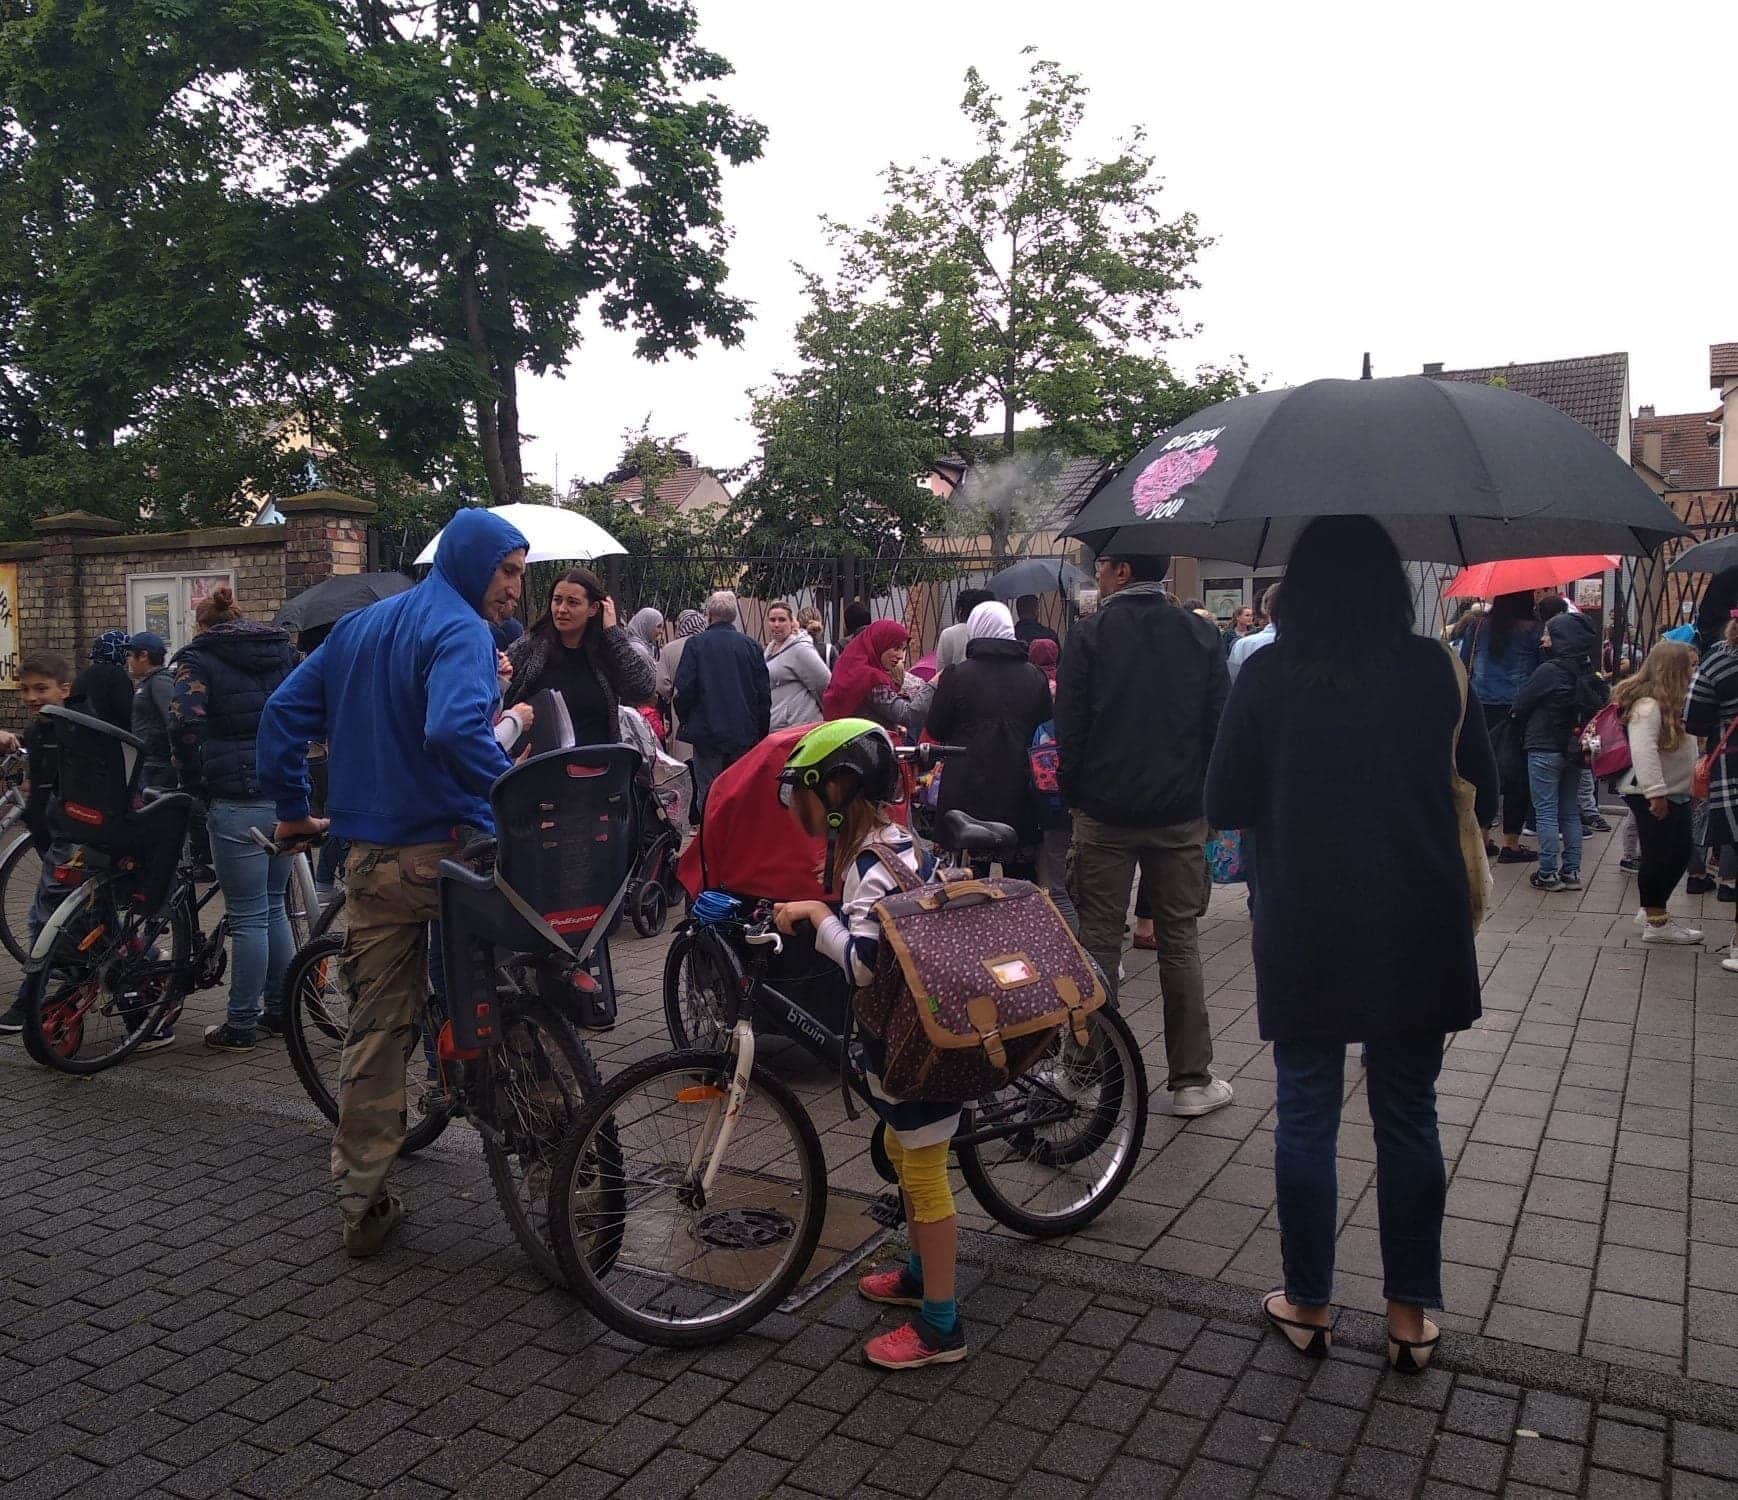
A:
(1363, 926)
(1505, 650)
(578, 650)
(1562, 694)
(991, 703)
(223, 677)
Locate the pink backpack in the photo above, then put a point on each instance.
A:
(1606, 742)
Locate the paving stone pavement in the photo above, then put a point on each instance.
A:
(175, 1315)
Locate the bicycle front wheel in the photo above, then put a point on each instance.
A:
(654, 1254)
(539, 1077)
(19, 870)
(696, 994)
(1049, 1153)
(107, 987)
(316, 1021)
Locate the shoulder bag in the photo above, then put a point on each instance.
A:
(1479, 885)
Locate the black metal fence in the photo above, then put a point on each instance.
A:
(919, 588)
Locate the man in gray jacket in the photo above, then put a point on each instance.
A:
(146, 661)
(798, 675)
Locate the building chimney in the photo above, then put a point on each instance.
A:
(1646, 411)
(1651, 443)
(1435, 369)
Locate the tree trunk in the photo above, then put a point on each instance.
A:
(488, 433)
(507, 426)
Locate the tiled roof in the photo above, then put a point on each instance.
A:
(673, 489)
(1722, 362)
(1688, 461)
(1590, 389)
(1058, 489)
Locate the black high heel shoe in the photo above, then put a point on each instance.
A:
(1410, 1356)
(1308, 1339)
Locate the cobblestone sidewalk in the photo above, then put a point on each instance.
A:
(176, 1318)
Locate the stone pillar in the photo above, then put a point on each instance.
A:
(326, 532)
(62, 624)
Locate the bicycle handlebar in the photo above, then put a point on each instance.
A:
(296, 847)
(926, 755)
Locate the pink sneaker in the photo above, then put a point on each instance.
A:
(890, 1287)
(915, 1344)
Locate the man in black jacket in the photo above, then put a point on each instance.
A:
(1138, 697)
(723, 694)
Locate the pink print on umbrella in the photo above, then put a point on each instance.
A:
(1168, 473)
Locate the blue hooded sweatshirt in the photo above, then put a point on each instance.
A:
(403, 693)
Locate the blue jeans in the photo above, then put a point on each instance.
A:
(49, 894)
(1556, 788)
(253, 894)
(1411, 1182)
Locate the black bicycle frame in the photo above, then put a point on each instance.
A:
(750, 991)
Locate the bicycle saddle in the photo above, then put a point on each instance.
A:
(969, 836)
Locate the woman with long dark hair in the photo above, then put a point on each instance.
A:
(577, 648)
(1363, 925)
(1505, 650)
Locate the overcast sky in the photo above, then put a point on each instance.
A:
(1474, 183)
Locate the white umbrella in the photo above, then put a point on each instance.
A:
(555, 535)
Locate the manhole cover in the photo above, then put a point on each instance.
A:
(744, 1229)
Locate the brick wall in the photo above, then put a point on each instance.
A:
(72, 585)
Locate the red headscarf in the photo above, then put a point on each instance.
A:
(1044, 654)
(859, 670)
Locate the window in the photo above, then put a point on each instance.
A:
(163, 603)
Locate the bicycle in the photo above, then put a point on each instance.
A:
(691, 1192)
(503, 1050)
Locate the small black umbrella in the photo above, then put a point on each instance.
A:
(1457, 472)
(1037, 575)
(1715, 555)
(337, 597)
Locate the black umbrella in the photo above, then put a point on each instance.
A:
(337, 597)
(1457, 472)
(1712, 556)
(1037, 575)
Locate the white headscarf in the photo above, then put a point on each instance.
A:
(990, 622)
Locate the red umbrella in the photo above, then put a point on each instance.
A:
(1517, 575)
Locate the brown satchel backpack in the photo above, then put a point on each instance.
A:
(974, 981)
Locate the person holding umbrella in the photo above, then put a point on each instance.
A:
(1505, 652)
(1363, 927)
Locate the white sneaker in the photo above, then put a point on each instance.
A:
(1671, 931)
(1189, 1103)
(1730, 961)
(1641, 919)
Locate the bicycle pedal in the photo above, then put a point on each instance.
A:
(887, 1210)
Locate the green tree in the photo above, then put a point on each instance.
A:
(1020, 284)
(843, 459)
(506, 164)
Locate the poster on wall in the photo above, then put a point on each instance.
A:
(8, 625)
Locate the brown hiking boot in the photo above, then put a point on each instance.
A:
(369, 1237)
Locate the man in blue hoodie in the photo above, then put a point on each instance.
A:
(403, 694)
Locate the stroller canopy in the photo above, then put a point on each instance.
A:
(749, 843)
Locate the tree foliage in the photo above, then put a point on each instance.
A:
(373, 213)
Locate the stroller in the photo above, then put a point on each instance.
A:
(666, 791)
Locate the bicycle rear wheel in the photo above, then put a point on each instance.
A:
(316, 1021)
(1066, 1136)
(536, 1081)
(19, 869)
(651, 1254)
(107, 987)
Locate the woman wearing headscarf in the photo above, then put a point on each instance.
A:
(992, 703)
(1044, 655)
(871, 681)
(643, 634)
(688, 625)
(105, 688)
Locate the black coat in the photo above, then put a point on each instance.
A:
(1362, 924)
(223, 677)
(105, 691)
(1139, 692)
(723, 693)
(1560, 696)
(991, 703)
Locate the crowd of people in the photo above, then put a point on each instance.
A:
(1161, 726)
